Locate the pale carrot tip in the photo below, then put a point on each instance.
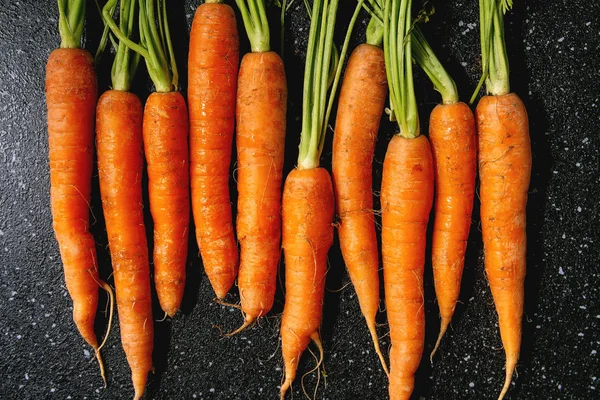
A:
(372, 330)
(284, 388)
(101, 363)
(248, 320)
(510, 369)
(443, 328)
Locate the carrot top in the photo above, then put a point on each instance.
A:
(256, 23)
(494, 60)
(71, 14)
(124, 65)
(397, 47)
(426, 58)
(321, 63)
(155, 42)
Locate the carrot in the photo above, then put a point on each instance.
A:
(308, 200)
(120, 169)
(261, 119)
(212, 72)
(504, 174)
(71, 93)
(165, 131)
(454, 144)
(406, 200)
(360, 106)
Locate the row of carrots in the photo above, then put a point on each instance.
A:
(188, 156)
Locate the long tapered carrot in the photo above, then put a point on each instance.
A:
(212, 79)
(119, 145)
(260, 140)
(406, 200)
(165, 129)
(454, 145)
(504, 173)
(308, 200)
(120, 168)
(71, 93)
(360, 106)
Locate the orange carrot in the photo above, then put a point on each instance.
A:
(165, 129)
(120, 168)
(261, 119)
(212, 77)
(71, 94)
(454, 144)
(360, 107)
(307, 210)
(119, 145)
(308, 200)
(406, 200)
(504, 173)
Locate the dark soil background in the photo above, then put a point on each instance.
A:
(554, 52)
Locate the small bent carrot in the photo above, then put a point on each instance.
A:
(165, 129)
(71, 94)
(120, 168)
(212, 80)
(504, 173)
(308, 209)
(406, 200)
(454, 145)
(360, 106)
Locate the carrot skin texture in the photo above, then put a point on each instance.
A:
(71, 93)
(212, 78)
(120, 167)
(454, 145)
(406, 200)
(165, 130)
(360, 107)
(261, 121)
(307, 214)
(504, 173)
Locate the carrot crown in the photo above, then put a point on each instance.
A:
(322, 71)
(375, 27)
(398, 65)
(425, 57)
(155, 42)
(71, 14)
(494, 60)
(256, 23)
(125, 62)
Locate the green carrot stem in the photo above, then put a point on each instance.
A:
(316, 102)
(71, 15)
(256, 23)
(427, 60)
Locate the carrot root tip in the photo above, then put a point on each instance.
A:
(101, 363)
(373, 331)
(248, 320)
(510, 369)
(443, 328)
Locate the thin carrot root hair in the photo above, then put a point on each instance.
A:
(111, 304)
(319, 360)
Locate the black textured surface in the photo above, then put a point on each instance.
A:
(554, 52)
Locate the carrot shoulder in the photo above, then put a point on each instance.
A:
(213, 68)
(261, 116)
(360, 107)
(504, 172)
(120, 168)
(165, 129)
